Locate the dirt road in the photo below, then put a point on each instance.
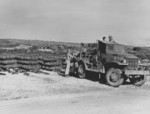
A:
(54, 94)
(86, 103)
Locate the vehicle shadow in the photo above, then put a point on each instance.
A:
(93, 76)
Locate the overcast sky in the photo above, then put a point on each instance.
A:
(128, 21)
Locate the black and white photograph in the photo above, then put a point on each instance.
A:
(74, 57)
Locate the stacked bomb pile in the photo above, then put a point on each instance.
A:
(50, 62)
(28, 62)
(8, 61)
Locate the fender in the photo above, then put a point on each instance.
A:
(84, 63)
(115, 65)
(86, 67)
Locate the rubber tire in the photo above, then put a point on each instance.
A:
(118, 72)
(82, 76)
(139, 83)
(125, 78)
(72, 71)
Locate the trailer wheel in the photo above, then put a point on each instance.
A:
(138, 81)
(114, 78)
(81, 71)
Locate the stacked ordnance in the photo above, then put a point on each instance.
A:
(50, 63)
(30, 62)
(8, 61)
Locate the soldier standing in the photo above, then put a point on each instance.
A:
(69, 57)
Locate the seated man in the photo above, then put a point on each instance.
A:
(111, 39)
(76, 54)
(104, 38)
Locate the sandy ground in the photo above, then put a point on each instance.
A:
(16, 86)
(49, 93)
(85, 103)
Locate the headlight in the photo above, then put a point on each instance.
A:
(139, 61)
(123, 61)
(120, 59)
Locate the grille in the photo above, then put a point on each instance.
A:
(132, 62)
